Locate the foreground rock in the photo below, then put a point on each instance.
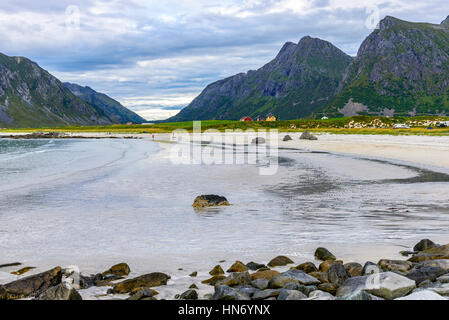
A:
(395, 265)
(150, 280)
(423, 295)
(119, 270)
(424, 245)
(32, 285)
(323, 254)
(228, 293)
(238, 267)
(62, 291)
(387, 285)
(210, 200)
(280, 261)
(189, 295)
(306, 135)
(292, 276)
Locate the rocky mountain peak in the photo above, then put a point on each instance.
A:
(445, 23)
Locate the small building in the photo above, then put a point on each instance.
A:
(246, 119)
(129, 123)
(324, 118)
(259, 118)
(271, 118)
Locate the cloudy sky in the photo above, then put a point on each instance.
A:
(156, 56)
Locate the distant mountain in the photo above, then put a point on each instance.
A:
(32, 97)
(110, 107)
(402, 68)
(301, 79)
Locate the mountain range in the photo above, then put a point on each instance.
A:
(31, 97)
(402, 68)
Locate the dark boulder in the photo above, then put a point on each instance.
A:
(31, 285)
(190, 294)
(255, 266)
(287, 138)
(424, 245)
(323, 254)
(337, 275)
(280, 261)
(62, 291)
(307, 136)
(210, 200)
(148, 280)
(120, 270)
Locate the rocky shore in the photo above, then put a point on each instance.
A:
(60, 135)
(423, 276)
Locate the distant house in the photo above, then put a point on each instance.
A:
(129, 123)
(324, 118)
(246, 119)
(271, 117)
(259, 118)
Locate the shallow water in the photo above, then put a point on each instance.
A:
(93, 203)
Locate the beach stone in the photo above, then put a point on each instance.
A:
(216, 271)
(214, 280)
(423, 273)
(62, 291)
(120, 270)
(247, 290)
(287, 138)
(387, 285)
(210, 200)
(265, 294)
(258, 140)
(323, 254)
(280, 261)
(193, 274)
(236, 279)
(326, 265)
(425, 284)
(142, 293)
(370, 268)
(31, 285)
(441, 289)
(423, 295)
(255, 266)
(337, 275)
(306, 135)
(421, 257)
(23, 271)
(293, 275)
(328, 287)
(360, 295)
(320, 295)
(260, 284)
(443, 264)
(227, 293)
(155, 279)
(300, 287)
(354, 269)
(321, 276)
(238, 267)
(193, 286)
(266, 274)
(443, 279)
(307, 267)
(190, 294)
(395, 265)
(424, 245)
(12, 264)
(291, 295)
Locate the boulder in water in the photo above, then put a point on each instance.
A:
(210, 200)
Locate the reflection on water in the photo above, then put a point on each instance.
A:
(102, 200)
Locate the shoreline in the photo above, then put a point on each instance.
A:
(423, 273)
(429, 146)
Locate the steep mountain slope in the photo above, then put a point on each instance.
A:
(111, 108)
(302, 78)
(31, 97)
(401, 69)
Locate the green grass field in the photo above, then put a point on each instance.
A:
(353, 125)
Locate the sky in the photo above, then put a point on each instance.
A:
(155, 57)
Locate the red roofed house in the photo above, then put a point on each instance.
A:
(246, 119)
